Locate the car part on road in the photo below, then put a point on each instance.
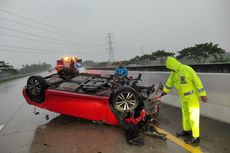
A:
(133, 136)
(35, 111)
(136, 141)
(151, 130)
(47, 117)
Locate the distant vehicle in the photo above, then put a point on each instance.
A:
(73, 63)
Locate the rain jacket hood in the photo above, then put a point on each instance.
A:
(173, 64)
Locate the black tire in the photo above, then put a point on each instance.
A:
(66, 73)
(125, 99)
(35, 88)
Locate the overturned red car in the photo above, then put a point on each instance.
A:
(90, 96)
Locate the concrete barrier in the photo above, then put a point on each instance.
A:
(208, 68)
(217, 86)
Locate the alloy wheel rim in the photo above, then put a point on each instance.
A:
(125, 101)
(34, 86)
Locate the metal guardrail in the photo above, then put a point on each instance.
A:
(207, 68)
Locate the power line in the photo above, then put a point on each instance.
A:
(28, 48)
(44, 24)
(39, 40)
(31, 52)
(40, 36)
(37, 27)
(44, 50)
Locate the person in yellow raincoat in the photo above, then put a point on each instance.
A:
(190, 88)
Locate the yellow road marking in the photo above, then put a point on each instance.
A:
(180, 142)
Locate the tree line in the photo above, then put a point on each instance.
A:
(34, 68)
(7, 68)
(199, 53)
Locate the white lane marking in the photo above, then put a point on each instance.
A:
(1, 127)
(3, 86)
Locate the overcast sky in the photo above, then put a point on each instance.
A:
(32, 31)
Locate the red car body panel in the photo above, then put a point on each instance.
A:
(79, 105)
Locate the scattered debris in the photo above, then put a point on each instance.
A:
(47, 117)
(35, 111)
(45, 144)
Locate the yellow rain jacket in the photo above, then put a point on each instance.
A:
(190, 88)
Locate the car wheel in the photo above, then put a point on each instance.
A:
(125, 99)
(35, 88)
(66, 73)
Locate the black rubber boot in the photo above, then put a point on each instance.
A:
(184, 134)
(192, 140)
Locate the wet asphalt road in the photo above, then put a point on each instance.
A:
(23, 132)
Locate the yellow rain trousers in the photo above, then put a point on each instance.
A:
(190, 88)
